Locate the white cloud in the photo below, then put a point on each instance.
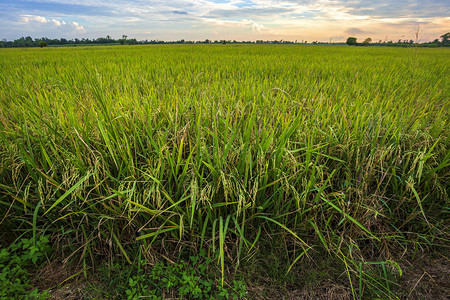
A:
(69, 27)
(78, 27)
(255, 26)
(245, 23)
(29, 18)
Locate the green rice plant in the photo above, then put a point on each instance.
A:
(154, 150)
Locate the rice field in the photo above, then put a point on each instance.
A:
(161, 151)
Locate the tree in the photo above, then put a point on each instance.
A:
(43, 44)
(351, 41)
(123, 40)
(366, 41)
(445, 39)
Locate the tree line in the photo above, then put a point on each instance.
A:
(43, 42)
(444, 41)
(28, 41)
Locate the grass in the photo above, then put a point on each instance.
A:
(160, 151)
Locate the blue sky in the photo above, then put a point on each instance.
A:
(308, 20)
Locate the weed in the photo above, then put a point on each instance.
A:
(194, 278)
(15, 280)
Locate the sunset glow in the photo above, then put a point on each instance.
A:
(321, 20)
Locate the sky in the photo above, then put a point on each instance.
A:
(242, 20)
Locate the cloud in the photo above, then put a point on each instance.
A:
(398, 9)
(58, 7)
(253, 12)
(71, 27)
(355, 30)
(178, 12)
(252, 24)
(245, 23)
(28, 19)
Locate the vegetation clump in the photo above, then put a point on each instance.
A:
(43, 44)
(351, 41)
(183, 280)
(15, 260)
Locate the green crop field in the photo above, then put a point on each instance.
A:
(251, 154)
